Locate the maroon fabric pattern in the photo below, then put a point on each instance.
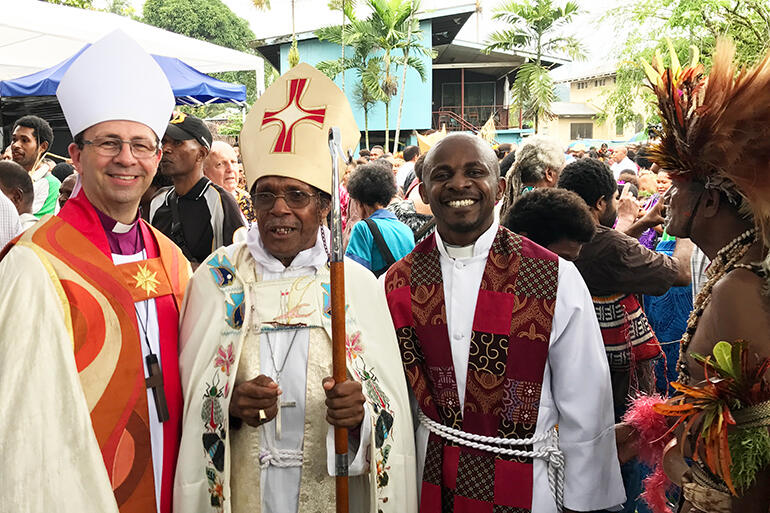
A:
(508, 353)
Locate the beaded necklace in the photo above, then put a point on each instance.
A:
(725, 261)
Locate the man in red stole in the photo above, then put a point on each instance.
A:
(91, 416)
(500, 345)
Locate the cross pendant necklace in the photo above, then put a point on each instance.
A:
(155, 379)
(281, 404)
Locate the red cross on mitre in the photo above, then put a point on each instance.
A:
(291, 115)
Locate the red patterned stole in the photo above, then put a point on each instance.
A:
(107, 344)
(508, 353)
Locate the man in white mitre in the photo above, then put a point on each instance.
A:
(256, 336)
(92, 408)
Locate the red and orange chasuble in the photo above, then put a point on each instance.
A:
(508, 354)
(107, 344)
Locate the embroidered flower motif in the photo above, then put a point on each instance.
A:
(225, 358)
(353, 345)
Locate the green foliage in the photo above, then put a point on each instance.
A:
(209, 20)
(271, 74)
(262, 5)
(379, 45)
(750, 453)
(82, 4)
(293, 53)
(233, 126)
(533, 91)
(538, 25)
(122, 8)
(645, 24)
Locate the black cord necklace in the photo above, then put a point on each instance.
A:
(155, 379)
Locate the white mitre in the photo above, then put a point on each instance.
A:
(286, 132)
(115, 79)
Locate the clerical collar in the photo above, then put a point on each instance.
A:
(124, 239)
(314, 257)
(479, 248)
(459, 251)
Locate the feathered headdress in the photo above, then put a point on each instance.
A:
(716, 129)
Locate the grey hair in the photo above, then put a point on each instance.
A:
(535, 155)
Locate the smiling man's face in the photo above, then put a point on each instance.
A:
(284, 230)
(461, 182)
(115, 185)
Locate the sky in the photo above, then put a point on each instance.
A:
(597, 36)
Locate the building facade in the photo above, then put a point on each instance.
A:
(464, 86)
(580, 116)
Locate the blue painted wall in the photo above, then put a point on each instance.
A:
(416, 113)
(511, 135)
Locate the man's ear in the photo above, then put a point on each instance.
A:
(203, 152)
(423, 193)
(324, 207)
(550, 176)
(500, 188)
(710, 202)
(75, 152)
(17, 197)
(43, 147)
(600, 204)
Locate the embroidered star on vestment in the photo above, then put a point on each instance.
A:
(146, 280)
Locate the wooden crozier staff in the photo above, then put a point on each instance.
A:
(339, 362)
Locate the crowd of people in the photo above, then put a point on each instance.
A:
(510, 309)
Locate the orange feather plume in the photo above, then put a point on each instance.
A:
(719, 125)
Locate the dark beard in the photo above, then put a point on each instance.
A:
(608, 218)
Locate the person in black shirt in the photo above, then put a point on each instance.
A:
(198, 215)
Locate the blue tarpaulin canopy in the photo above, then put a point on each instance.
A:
(190, 86)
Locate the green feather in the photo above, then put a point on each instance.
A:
(750, 453)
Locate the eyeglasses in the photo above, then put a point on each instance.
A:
(293, 198)
(112, 146)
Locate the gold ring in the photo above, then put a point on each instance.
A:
(262, 415)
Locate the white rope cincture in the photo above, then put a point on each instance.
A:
(281, 458)
(549, 452)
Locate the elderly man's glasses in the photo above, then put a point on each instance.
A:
(112, 146)
(293, 198)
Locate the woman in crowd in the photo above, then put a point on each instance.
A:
(381, 239)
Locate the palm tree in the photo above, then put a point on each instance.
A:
(367, 65)
(538, 25)
(411, 43)
(346, 8)
(363, 97)
(391, 27)
(388, 22)
(293, 51)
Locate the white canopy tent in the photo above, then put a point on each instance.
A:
(36, 35)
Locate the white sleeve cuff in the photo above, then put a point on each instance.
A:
(591, 476)
(357, 449)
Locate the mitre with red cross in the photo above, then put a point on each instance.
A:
(286, 133)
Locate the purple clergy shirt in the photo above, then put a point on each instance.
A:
(124, 239)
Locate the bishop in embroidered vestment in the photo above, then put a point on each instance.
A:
(498, 339)
(256, 323)
(91, 416)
